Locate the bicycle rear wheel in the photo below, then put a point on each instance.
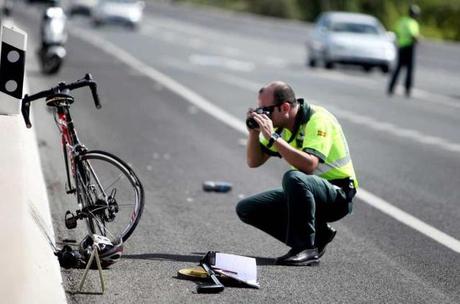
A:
(111, 195)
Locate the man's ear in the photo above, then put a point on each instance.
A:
(285, 107)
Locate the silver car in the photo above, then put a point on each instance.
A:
(350, 38)
(127, 12)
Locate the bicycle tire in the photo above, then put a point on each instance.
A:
(98, 174)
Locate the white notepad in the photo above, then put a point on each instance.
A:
(240, 268)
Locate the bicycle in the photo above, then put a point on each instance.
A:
(110, 196)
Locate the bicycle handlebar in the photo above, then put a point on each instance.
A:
(60, 88)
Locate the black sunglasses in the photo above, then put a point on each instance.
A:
(268, 109)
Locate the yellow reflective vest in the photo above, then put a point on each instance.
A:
(406, 29)
(318, 132)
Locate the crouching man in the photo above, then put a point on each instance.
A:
(321, 185)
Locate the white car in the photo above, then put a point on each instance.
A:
(128, 12)
(350, 38)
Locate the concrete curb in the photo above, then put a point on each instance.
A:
(30, 271)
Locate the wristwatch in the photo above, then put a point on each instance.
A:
(274, 137)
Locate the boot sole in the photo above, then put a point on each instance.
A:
(314, 262)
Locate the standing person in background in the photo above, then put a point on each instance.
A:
(407, 33)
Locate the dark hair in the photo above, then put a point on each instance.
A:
(282, 92)
(414, 11)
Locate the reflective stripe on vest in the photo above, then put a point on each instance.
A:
(324, 168)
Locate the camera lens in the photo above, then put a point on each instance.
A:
(251, 123)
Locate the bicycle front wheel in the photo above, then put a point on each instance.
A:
(111, 195)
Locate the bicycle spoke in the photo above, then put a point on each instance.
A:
(120, 176)
(113, 196)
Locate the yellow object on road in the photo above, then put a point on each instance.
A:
(192, 273)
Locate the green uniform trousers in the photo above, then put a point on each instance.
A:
(298, 212)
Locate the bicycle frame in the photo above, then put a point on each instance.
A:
(71, 145)
(72, 149)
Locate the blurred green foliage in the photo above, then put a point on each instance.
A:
(439, 19)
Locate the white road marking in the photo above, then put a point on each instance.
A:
(277, 62)
(396, 131)
(377, 85)
(196, 30)
(159, 77)
(221, 61)
(409, 220)
(355, 118)
(191, 36)
(238, 125)
(434, 98)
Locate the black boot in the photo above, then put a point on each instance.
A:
(290, 253)
(305, 257)
(324, 237)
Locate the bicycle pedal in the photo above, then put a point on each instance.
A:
(71, 191)
(70, 220)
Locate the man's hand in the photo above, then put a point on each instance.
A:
(255, 156)
(249, 114)
(265, 124)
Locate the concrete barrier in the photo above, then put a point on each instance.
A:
(30, 272)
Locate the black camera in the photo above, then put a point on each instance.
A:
(252, 123)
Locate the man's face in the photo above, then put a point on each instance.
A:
(265, 100)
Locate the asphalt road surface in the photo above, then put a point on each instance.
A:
(170, 93)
